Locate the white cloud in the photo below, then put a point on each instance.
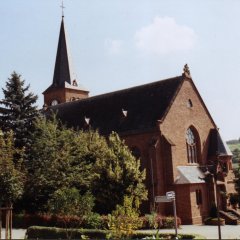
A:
(113, 47)
(164, 36)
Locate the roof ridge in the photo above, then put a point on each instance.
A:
(108, 94)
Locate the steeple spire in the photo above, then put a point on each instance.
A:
(63, 70)
(64, 87)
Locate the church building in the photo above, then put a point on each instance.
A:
(165, 123)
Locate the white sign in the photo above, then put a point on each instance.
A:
(162, 199)
(170, 195)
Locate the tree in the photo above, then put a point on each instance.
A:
(62, 157)
(11, 176)
(18, 110)
(237, 180)
(68, 203)
(236, 155)
(118, 175)
(57, 161)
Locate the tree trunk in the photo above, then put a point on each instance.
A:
(0, 223)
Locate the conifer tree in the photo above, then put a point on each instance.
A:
(17, 110)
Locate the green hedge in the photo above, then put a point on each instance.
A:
(94, 221)
(36, 232)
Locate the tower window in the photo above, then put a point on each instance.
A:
(191, 146)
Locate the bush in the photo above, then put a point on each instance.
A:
(94, 221)
(154, 221)
(124, 220)
(36, 232)
(157, 235)
(27, 220)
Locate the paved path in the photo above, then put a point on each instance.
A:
(210, 232)
(16, 233)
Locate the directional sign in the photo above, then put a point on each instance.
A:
(170, 195)
(162, 199)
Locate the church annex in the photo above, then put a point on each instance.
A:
(165, 123)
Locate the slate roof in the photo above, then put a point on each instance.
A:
(64, 74)
(189, 175)
(217, 145)
(132, 109)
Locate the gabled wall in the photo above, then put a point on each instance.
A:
(180, 117)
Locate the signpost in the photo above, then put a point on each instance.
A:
(159, 199)
(170, 197)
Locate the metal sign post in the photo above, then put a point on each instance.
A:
(175, 218)
(170, 197)
(159, 199)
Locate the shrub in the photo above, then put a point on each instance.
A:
(27, 220)
(151, 221)
(124, 220)
(36, 232)
(154, 221)
(157, 235)
(93, 221)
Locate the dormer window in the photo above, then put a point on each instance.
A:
(74, 83)
(124, 112)
(87, 120)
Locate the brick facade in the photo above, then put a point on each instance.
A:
(154, 120)
(63, 95)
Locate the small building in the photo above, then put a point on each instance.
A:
(165, 123)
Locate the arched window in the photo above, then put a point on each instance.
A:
(191, 142)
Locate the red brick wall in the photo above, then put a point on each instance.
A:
(165, 149)
(63, 95)
(179, 118)
(150, 161)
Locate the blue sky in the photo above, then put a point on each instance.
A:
(117, 44)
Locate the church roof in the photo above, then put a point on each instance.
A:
(189, 175)
(64, 75)
(217, 145)
(132, 109)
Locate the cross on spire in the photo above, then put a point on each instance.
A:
(62, 6)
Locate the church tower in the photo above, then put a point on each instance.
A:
(64, 87)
